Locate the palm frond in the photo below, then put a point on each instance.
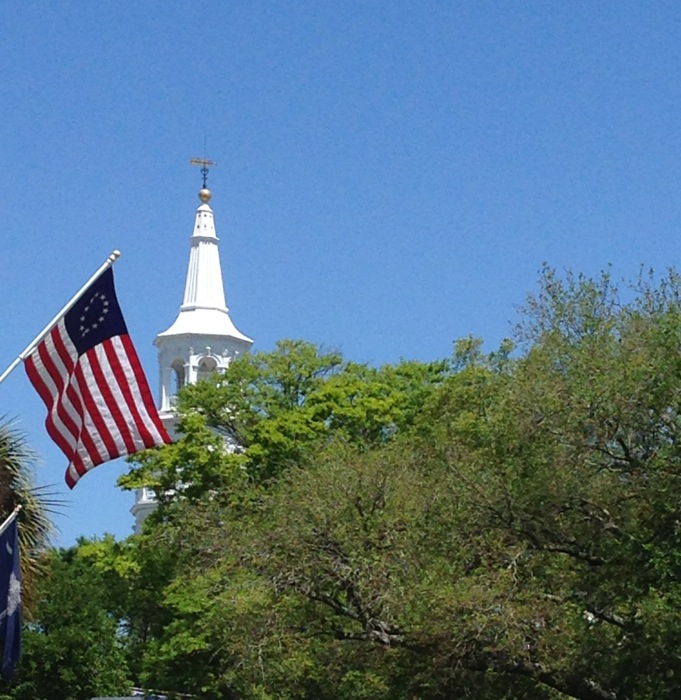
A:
(38, 503)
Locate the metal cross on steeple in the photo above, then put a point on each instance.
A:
(205, 165)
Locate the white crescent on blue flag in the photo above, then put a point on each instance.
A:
(10, 598)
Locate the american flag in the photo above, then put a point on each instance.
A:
(86, 370)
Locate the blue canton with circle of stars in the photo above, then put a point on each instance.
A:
(96, 316)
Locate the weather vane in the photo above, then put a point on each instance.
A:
(205, 165)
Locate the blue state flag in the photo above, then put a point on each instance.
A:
(10, 598)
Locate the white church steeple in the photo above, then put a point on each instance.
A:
(203, 337)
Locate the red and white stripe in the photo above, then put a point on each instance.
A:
(99, 404)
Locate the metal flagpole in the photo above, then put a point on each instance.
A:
(9, 519)
(29, 348)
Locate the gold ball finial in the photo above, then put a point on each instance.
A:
(205, 195)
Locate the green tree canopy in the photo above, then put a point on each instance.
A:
(73, 648)
(500, 525)
(272, 410)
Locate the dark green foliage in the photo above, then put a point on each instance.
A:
(73, 649)
(498, 526)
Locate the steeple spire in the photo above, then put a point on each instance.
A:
(203, 337)
(203, 288)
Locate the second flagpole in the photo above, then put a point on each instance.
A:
(9, 519)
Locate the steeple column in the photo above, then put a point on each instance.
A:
(202, 339)
(203, 322)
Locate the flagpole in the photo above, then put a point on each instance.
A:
(31, 346)
(9, 519)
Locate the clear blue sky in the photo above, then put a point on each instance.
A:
(391, 174)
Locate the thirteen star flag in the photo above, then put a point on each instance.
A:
(10, 598)
(87, 372)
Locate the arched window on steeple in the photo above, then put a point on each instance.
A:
(207, 365)
(179, 379)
